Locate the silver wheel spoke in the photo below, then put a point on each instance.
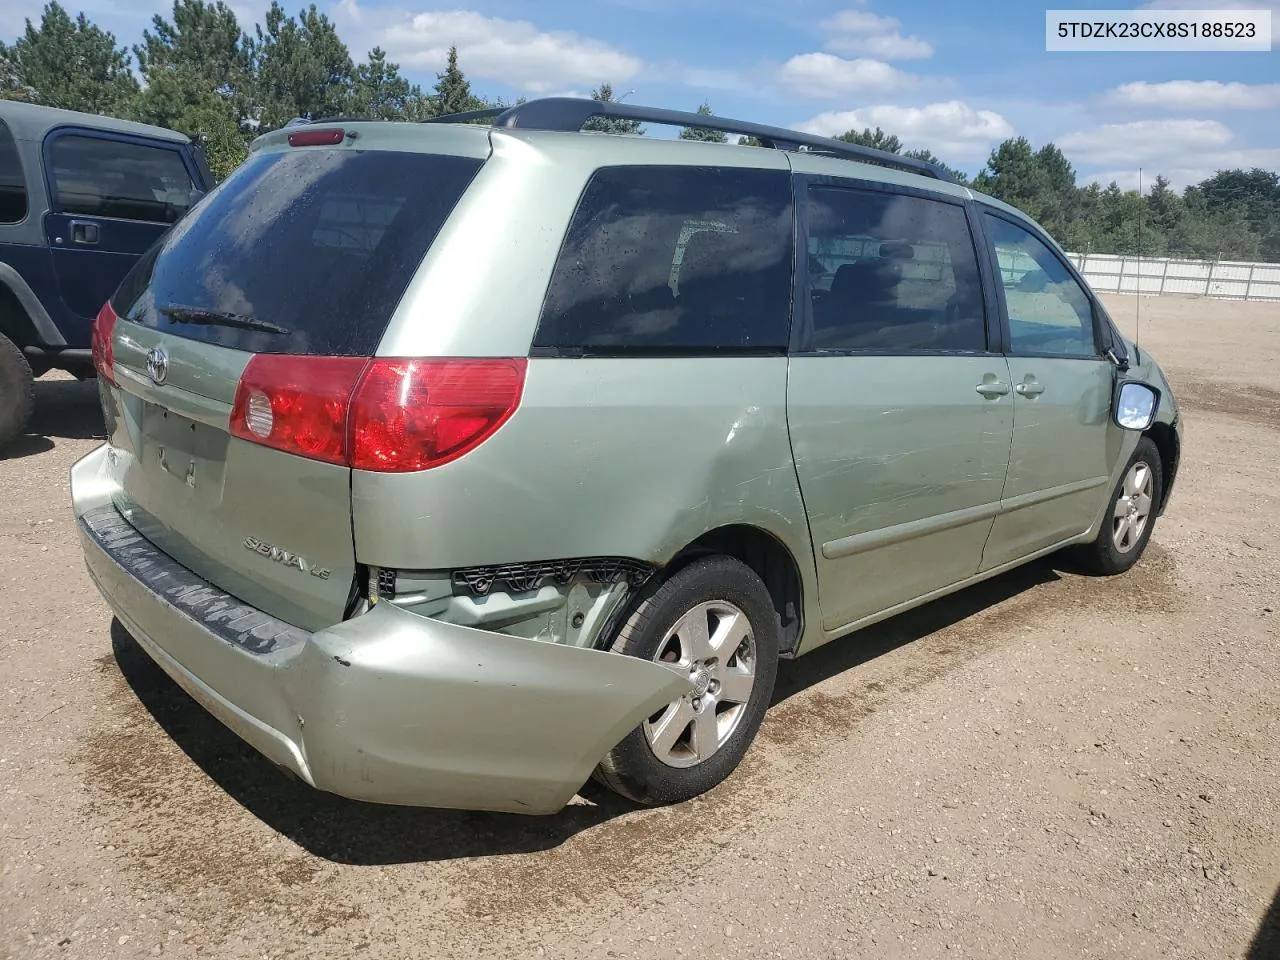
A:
(706, 732)
(1144, 504)
(735, 686)
(1137, 479)
(695, 638)
(1122, 508)
(731, 630)
(665, 733)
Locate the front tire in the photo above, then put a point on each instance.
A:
(1130, 517)
(715, 622)
(17, 392)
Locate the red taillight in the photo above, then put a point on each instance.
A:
(297, 404)
(414, 414)
(317, 138)
(104, 325)
(389, 415)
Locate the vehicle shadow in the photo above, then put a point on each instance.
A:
(65, 410)
(849, 653)
(353, 832)
(1266, 942)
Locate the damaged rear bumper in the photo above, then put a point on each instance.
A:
(389, 706)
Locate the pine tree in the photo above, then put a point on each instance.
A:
(453, 90)
(873, 138)
(604, 94)
(703, 133)
(68, 63)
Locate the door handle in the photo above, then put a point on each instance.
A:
(84, 232)
(1030, 388)
(992, 389)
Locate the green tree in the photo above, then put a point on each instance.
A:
(1057, 201)
(382, 93)
(1011, 173)
(876, 138)
(1164, 206)
(604, 94)
(303, 68)
(67, 63)
(703, 133)
(1251, 196)
(453, 90)
(928, 157)
(750, 142)
(204, 38)
(198, 75)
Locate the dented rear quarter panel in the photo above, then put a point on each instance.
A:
(605, 457)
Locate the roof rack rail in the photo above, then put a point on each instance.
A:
(487, 114)
(569, 114)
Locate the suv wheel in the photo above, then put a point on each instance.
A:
(1130, 517)
(714, 622)
(17, 391)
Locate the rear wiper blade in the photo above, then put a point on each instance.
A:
(218, 318)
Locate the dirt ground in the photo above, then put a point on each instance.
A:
(1044, 766)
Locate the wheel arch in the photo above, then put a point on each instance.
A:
(1165, 437)
(23, 318)
(771, 560)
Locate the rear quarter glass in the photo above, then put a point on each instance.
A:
(319, 242)
(674, 259)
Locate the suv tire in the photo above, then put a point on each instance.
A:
(17, 392)
(708, 731)
(1121, 539)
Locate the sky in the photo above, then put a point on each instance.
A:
(955, 76)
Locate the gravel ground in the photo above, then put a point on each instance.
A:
(1043, 766)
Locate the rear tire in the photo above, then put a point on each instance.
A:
(17, 392)
(715, 620)
(1130, 517)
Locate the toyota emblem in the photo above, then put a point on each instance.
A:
(157, 364)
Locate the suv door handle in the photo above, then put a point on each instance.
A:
(84, 232)
(1030, 388)
(992, 388)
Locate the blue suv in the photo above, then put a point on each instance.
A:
(81, 198)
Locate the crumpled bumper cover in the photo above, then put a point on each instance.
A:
(389, 706)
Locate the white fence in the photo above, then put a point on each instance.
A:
(1226, 279)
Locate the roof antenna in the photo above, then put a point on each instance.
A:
(1137, 307)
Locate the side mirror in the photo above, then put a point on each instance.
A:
(1135, 405)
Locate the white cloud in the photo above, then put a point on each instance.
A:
(1188, 169)
(953, 130)
(1197, 95)
(1184, 151)
(1143, 141)
(513, 51)
(824, 76)
(863, 32)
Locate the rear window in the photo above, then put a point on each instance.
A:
(318, 245)
(674, 258)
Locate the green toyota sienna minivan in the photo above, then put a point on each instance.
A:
(450, 464)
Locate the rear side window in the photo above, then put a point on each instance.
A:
(97, 177)
(13, 189)
(305, 251)
(674, 259)
(891, 272)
